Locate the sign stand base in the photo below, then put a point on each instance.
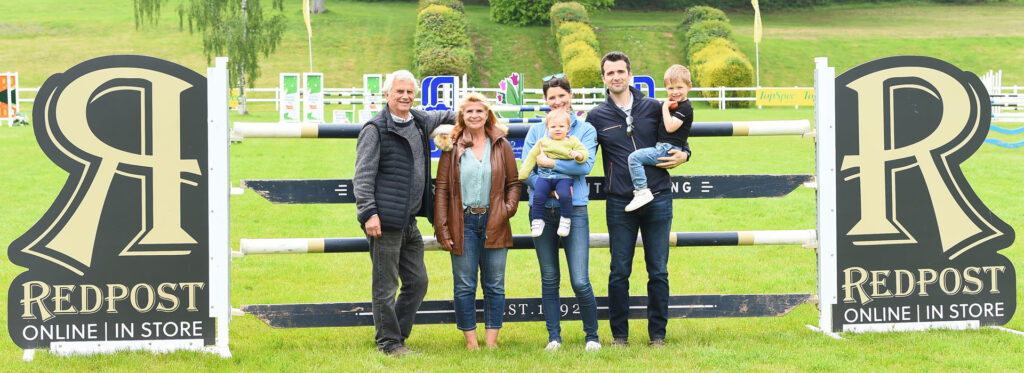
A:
(825, 332)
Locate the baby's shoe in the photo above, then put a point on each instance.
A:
(536, 227)
(563, 226)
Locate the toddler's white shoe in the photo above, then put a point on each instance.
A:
(563, 226)
(640, 198)
(593, 346)
(553, 346)
(536, 227)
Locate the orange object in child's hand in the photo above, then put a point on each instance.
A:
(673, 105)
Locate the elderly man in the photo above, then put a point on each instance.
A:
(626, 121)
(392, 187)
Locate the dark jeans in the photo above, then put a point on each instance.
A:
(577, 253)
(542, 191)
(491, 263)
(397, 255)
(654, 221)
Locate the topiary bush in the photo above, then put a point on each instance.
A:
(585, 36)
(440, 26)
(444, 61)
(570, 51)
(568, 12)
(577, 45)
(571, 28)
(534, 12)
(584, 70)
(454, 4)
(441, 44)
(701, 13)
(704, 31)
(711, 49)
(724, 67)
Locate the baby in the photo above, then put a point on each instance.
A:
(557, 145)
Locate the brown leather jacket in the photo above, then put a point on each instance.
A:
(504, 201)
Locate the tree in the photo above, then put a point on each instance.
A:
(317, 6)
(237, 28)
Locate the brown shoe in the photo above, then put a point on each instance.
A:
(620, 342)
(657, 343)
(399, 352)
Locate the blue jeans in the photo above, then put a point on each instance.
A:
(577, 256)
(649, 157)
(491, 263)
(654, 221)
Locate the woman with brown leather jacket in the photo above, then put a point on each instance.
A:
(476, 194)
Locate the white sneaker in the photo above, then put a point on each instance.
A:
(553, 346)
(563, 226)
(640, 198)
(537, 227)
(593, 346)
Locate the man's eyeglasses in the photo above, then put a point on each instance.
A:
(629, 125)
(553, 76)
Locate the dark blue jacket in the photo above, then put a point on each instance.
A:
(610, 123)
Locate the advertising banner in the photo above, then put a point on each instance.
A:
(289, 96)
(313, 98)
(915, 248)
(122, 255)
(785, 97)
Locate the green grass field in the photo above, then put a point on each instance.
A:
(377, 37)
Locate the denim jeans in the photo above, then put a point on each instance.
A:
(396, 255)
(654, 221)
(649, 157)
(577, 256)
(491, 263)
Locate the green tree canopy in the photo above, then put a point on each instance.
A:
(236, 28)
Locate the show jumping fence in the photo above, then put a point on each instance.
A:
(441, 311)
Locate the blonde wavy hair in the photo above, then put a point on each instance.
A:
(460, 122)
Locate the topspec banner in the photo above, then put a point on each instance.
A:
(290, 98)
(313, 99)
(916, 247)
(122, 253)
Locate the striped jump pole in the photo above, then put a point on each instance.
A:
(314, 191)
(343, 94)
(344, 101)
(321, 315)
(801, 127)
(1007, 131)
(1009, 115)
(520, 120)
(523, 108)
(805, 237)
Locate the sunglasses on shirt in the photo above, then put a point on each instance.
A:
(629, 125)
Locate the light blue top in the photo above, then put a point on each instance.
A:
(577, 171)
(475, 175)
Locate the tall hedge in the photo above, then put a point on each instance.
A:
(568, 12)
(534, 12)
(577, 44)
(441, 42)
(454, 4)
(712, 55)
(700, 13)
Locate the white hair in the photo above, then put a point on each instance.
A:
(399, 75)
